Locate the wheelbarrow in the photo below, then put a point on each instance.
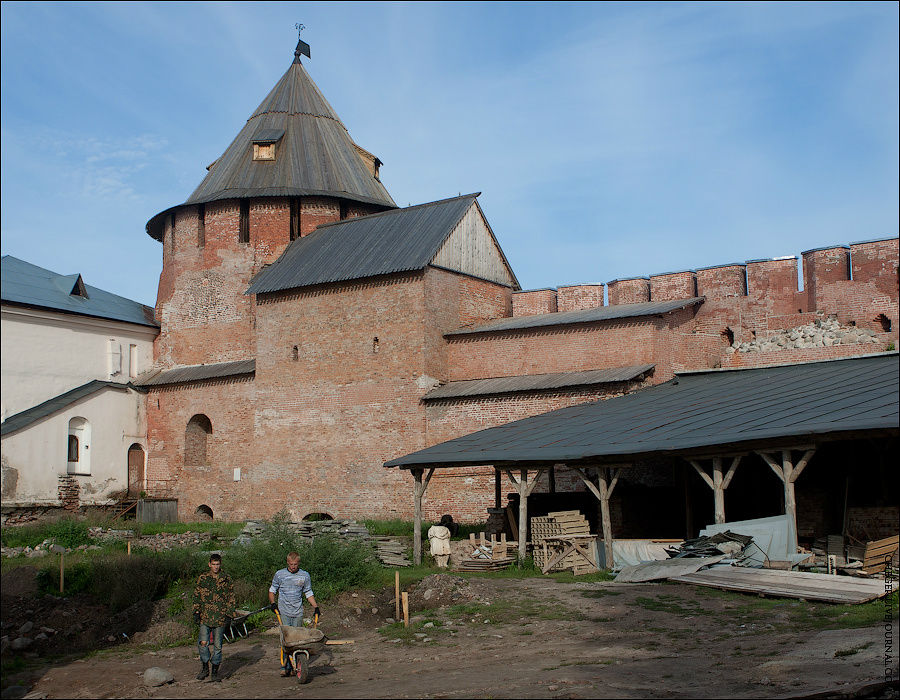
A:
(238, 627)
(299, 645)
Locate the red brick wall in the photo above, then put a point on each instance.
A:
(578, 297)
(822, 267)
(675, 285)
(722, 282)
(628, 291)
(759, 359)
(533, 302)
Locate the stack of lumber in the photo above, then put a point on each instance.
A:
(487, 555)
(879, 553)
(551, 533)
(560, 523)
(390, 552)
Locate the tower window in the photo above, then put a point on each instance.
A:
(244, 233)
(263, 151)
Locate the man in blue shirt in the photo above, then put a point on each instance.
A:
(291, 585)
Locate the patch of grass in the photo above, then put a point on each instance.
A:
(671, 604)
(822, 616)
(600, 593)
(67, 532)
(851, 651)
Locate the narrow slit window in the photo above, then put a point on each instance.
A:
(201, 226)
(244, 233)
(295, 218)
(73, 449)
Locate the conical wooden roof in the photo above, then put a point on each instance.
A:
(314, 154)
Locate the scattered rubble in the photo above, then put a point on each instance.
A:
(822, 333)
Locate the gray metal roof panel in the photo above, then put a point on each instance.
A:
(197, 373)
(32, 415)
(30, 285)
(535, 382)
(400, 240)
(315, 155)
(600, 313)
(694, 411)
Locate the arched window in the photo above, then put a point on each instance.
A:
(203, 512)
(78, 445)
(196, 441)
(73, 448)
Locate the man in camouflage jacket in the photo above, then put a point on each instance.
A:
(214, 605)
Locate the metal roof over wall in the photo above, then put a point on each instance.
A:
(401, 240)
(199, 373)
(535, 382)
(600, 313)
(30, 285)
(314, 156)
(694, 411)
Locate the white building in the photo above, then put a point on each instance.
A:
(72, 421)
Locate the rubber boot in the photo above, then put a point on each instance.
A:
(215, 674)
(204, 671)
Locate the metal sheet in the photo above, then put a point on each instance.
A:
(197, 373)
(32, 415)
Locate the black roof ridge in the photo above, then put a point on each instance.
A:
(712, 370)
(552, 374)
(42, 410)
(399, 210)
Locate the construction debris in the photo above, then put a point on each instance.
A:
(562, 541)
(487, 555)
(658, 570)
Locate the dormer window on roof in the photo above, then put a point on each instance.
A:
(264, 142)
(78, 289)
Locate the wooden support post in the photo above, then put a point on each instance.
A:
(688, 506)
(605, 486)
(788, 473)
(718, 483)
(397, 595)
(129, 548)
(417, 519)
(551, 479)
(523, 513)
(419, 486)
(497, 497)
(405, 597)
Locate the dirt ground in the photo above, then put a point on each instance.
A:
(526, 638)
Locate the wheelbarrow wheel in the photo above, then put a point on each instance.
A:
(302, 669)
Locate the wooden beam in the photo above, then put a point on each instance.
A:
(592, 487)
(534, 480)
(703, 474)
(603, 484)
(731, 470)
(418, 490)
(523, 513)
(801, 465)
(615, 480)
(773, 464)
(497, 489)
(427, 479)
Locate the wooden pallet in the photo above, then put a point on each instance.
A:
(879, 552)
(790, 584)
(484, 564)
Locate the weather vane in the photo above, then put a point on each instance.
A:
(302, 47)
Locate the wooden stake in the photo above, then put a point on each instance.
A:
(62, 570)
(397, 595)
(405, 596)
(129, 548)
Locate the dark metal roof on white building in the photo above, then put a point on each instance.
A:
(535, 382)
(25, 284)
(47, 408)
(694, 411)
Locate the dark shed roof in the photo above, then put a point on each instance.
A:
(57, 403)
(601, 313)
(535, 382)
(401, 240)
(198, 373)
(695, 410)
(30, 285)
(315, 156)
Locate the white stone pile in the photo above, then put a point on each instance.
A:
(822, 333)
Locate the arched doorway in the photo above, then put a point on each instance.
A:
(136, 461)
(196, 438)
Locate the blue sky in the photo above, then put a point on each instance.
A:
(608, 140)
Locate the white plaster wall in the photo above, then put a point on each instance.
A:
(43, 354)
(33, 458)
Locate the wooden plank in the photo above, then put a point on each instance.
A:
(512, 522)
(789, 584)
